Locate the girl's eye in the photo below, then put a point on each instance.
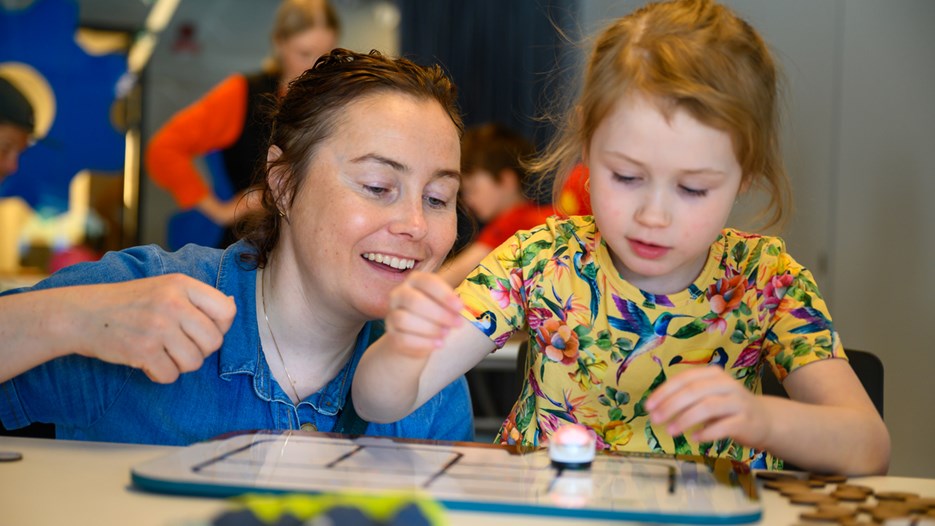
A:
(626, 179)
(693, 192)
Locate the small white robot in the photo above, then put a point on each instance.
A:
(572, 446)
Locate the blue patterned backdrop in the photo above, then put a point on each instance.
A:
(81, 136)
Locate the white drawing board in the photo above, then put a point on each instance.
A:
(461, 475)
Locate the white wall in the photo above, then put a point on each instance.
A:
(858, 137)
(883, 253)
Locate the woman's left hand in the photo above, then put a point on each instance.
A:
(709, 404)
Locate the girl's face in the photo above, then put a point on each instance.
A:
(378, 200)
(300, 51)
(661, 191)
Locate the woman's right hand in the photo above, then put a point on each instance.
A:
(422, 311)
(164, 325)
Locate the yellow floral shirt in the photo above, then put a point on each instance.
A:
(598, 346)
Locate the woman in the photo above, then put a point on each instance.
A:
(347, 210)
(232, 118)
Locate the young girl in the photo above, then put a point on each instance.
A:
(627, 309)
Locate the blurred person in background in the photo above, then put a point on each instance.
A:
(495, 187)
(232, 118)
(17, 123)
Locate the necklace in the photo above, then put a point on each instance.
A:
(273, 336)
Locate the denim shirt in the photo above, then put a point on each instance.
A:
(88, 399)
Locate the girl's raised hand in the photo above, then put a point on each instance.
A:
(708, 404)
(422, 311)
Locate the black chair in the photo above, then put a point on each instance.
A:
(30, 431)
(867, 366)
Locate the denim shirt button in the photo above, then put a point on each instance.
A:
(308, 426)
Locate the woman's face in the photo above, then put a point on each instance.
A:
(378, 201)
(300, 51)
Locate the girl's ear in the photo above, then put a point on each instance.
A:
(275, 178)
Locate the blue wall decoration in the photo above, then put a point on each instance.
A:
(83, 86)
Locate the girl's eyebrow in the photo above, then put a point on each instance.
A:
(625, 157)
(689, 171)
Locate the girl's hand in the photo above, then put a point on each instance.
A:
(708, 404)
(422, 311)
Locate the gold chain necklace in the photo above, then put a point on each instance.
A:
(273, 336)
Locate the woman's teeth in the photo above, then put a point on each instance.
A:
(390, 261)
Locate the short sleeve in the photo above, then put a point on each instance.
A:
(493, 294)
(801, 331)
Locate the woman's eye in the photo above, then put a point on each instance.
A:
(694, 192)
(435, 202)
(376, 190)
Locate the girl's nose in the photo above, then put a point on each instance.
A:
(654, 211)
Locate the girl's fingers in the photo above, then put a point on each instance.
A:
(718, 429)
(428, 297)
(407, 322)
(675, 384)
(435, 288)
(703, 413)
(688, 391)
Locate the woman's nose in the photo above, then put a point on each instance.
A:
(409, 219)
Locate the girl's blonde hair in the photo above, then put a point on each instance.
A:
(693, 55)
(294, 17)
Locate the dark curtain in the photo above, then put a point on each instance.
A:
(509, 58)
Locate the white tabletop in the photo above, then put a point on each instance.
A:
(77, 483)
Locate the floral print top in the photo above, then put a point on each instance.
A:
(598, 346)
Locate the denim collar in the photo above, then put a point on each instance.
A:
(241, 352)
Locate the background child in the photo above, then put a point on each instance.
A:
(493, 186)
(677, 116)
(233, 119)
